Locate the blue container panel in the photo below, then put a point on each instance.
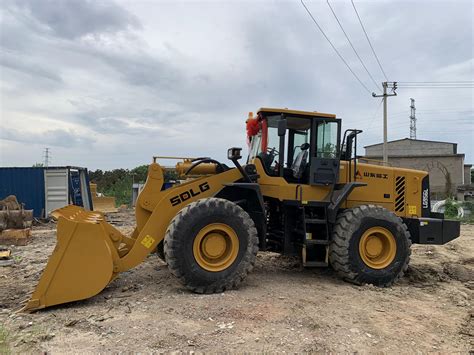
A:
(27, 184)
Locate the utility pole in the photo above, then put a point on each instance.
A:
(47, 158)
(393, 86)
(412, 120)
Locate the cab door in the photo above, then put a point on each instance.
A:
(325, 151)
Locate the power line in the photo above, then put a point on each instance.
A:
(368, 40)
(333, 47)
(352, 46)
(434, 82)
(376, 112)
(437, 87)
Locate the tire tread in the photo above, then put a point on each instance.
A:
(346, 224)
(173, 241)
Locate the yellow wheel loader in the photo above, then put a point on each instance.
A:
(303, 191)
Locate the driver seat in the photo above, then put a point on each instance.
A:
(299, 164)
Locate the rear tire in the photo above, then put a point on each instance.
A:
(211, 245)
(370, 245)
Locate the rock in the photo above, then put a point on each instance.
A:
(46, 337)
(459, 272)
(7, 262)
(71, 323)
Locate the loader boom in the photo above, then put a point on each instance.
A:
(90, 253)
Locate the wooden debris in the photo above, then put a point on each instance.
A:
(15, 236)
(5, 254)
(5, 257)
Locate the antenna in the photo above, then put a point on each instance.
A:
(412, 120)
(47, 157)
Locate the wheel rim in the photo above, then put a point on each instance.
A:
(377, 247)
(215, 247)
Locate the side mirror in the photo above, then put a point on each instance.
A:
(281, 127)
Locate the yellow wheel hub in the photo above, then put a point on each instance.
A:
(215, 247)
(377, 247)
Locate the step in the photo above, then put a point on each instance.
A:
(316, 264)
(315, 221)
(299, 231)
(316, 242)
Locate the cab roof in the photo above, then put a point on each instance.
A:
(264, 110)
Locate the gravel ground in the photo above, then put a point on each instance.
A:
(281, 307)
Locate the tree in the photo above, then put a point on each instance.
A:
(118, 182)
(448, 186)
(140, 173)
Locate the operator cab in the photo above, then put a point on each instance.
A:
(300, 146)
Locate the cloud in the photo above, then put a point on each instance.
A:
(113, 83)
(73, 19)
(29, 66)
(55, 137)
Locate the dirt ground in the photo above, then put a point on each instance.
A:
(280, 307)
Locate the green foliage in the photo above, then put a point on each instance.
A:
(4, 343)
(468, 205)
(121, 190)
(450, 209)
(118, 182)
(38, 165)
(139, 173)
(448, 187)
(452, 213)
(170, 175)
(472, 176)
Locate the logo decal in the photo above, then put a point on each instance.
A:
(425, 198)
(371, 175)
(186, 195)
(148, 241)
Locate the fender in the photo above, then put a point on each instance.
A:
(249, 197)
(344, 193)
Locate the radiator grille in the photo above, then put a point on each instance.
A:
(400, 194)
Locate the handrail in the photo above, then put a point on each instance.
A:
(155, 157)
(380, 162)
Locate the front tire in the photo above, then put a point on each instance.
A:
(160, 250)
(370, 245)
(211, 245)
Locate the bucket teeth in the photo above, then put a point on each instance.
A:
(78, 214)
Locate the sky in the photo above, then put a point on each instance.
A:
(108, 84)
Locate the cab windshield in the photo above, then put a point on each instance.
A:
(298, 133)
(326, 140)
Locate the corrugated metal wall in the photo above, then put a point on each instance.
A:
(57, 188)
(27, 184)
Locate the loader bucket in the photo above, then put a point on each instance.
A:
(81, 264)
(104, 204)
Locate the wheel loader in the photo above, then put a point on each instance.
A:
(303, 191)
